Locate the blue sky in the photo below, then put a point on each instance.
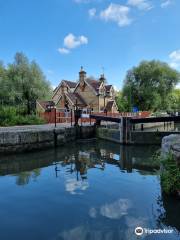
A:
(62, 35)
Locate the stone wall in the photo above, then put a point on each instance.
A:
(134, 137)
(171, 143)
(32, 139)
(148, 137)
(108, 134)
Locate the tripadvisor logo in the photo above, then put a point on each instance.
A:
(139, 231)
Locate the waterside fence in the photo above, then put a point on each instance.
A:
(55, 116)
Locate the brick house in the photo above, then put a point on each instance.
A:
(87, 93)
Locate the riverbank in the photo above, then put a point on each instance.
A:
(28, 138)
(32, 137)
(170, 164)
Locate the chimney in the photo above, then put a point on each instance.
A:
(102, 78)
(82, 75)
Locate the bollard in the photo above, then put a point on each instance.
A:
(55, 116)
(71, 117)
(90, 117)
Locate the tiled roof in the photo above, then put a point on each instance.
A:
(94, 84)
(108, 87)
(70, 83)
(109, 105)
(74, 96)
(45, 104)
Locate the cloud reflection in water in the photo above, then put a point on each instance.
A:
(73, 186)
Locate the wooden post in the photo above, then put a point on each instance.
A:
(55, 116)
(71, 117)
(90, 117)
(125, 130)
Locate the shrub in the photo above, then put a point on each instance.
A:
(10, 116)
(170, 175)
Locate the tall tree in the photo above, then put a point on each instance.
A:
(149, 85)
(3, 80)
(26, 82)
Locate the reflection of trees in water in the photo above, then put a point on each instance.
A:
(97, 155)
(24, 178)
(168, 212)
(79, 158)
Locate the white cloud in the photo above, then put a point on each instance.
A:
(175, 59)
(116, 88)
(93, 212)
(63, 50)
(116, 13)
(71, 41)
(178, 86)
(140, 4)
(116, 209)
(92, 12)
(174, 65)
(76, 187)
(53, 87)
(166, 3)
(175, 55)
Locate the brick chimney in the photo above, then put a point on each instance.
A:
(82, 75)
(102, 78)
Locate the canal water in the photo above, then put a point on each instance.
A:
(85, 191)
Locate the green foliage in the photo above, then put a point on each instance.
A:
(170, 175)
(24, 178)
(23, 81)
(10, 116)
(156, 159)
(21, 84)
(174, 100)
(122, 102)
(150, 86)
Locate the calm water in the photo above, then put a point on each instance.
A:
(86, 191)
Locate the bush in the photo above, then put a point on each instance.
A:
(170, 175)
(10, 116)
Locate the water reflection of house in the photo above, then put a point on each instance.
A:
(88, 93)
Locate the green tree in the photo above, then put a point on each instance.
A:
(25, 82)
(122, 102)
(150, 85)
(174, 100)
(3, 80)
